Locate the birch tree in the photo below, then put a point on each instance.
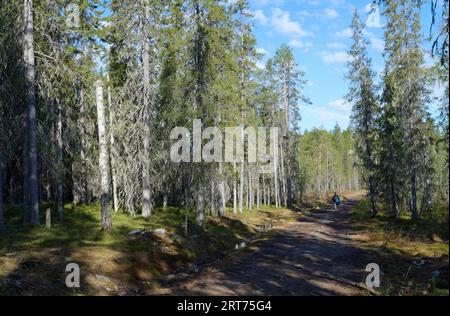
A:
(106, 224)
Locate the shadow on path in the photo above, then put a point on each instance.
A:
(314, 256)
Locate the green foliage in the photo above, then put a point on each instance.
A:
(438, 213)
(327, 162)
(434, 222)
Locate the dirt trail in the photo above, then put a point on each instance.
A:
(316, 255)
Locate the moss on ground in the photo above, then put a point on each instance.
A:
(33, 259)
(408, 252)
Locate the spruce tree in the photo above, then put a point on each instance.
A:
(365, 112)
(403, 122)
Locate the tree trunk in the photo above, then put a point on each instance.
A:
(186, 206)
(283, 177)
(48, 218)
(26, 174)
(165, 198)
(2, 220)
(234, 190)
(83, 189)
(222, 203)
(212, 202)
(60, 174)
(258, 193)
(275, 176)
(146, 189)
(269, 193)
(112, 158)
(241, 188)
(289, 176)
(373, 205)
(248, 200)
(264, 200)
(31, 109)
(414, 212)
(288, 198)
(394, 204)
(200, 207)
(106, 224)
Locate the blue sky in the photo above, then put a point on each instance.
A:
(318, 31)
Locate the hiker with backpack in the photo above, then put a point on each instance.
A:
(336, 201)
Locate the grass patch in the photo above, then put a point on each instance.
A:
(33, 259)
(414, 255)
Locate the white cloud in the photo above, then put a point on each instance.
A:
(330, 13)
(261, 51)
(327, 13)
(344, 33)
(282, 23)
(305, 46)
(334, 57)
(322, 116)
(336, 45)
(260, 17)
(341, 105)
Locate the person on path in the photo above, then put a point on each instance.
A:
(336, 201)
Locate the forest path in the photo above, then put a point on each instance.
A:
(316, 255)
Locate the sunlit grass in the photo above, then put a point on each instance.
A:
(398, 242)
(39, 254)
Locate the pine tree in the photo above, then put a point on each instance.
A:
(290, 82)
(31, 126)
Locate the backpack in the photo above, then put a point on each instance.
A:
(337, 200)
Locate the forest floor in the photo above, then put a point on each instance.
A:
(313, 251)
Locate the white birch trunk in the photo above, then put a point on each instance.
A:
(234, 190)
(275, 176)
(258, 193)
(59, 147)
(201, 216)
(222, 202)
(241, 188)
(103, 159)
